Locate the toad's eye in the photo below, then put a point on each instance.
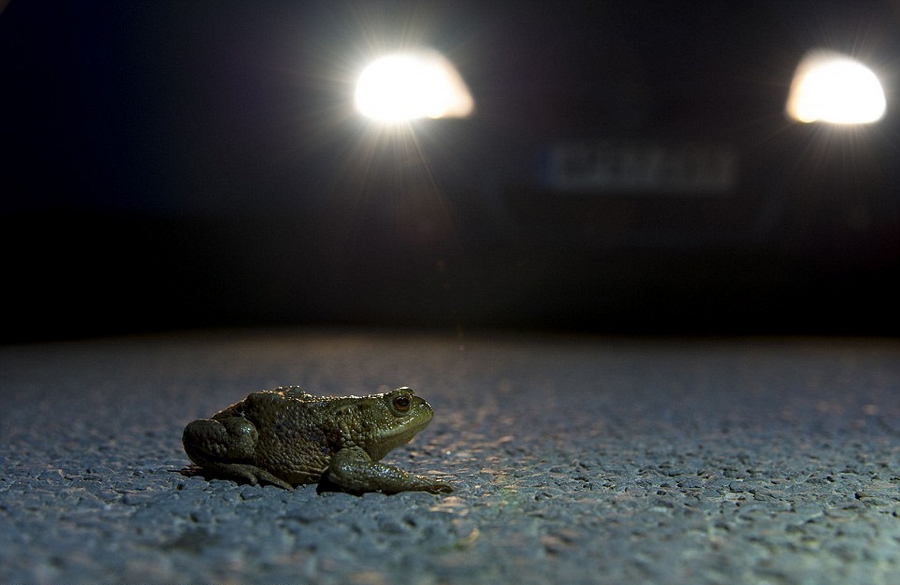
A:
(401, 403)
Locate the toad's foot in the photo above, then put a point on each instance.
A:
(243, 471)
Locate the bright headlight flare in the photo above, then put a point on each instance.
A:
(830, 87)
(410, 85)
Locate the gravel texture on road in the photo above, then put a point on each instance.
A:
(574, 460)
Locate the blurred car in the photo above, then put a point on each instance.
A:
(626, 167)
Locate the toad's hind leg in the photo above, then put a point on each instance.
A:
(226, 448)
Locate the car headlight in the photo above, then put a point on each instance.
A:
(409, 85)
(834, 88)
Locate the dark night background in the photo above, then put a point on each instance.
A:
(181, 164)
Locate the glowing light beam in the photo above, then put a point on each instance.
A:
(411, 85)
(833, 88)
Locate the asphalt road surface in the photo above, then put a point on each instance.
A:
(574, 460)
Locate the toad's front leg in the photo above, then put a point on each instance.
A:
(352, 469)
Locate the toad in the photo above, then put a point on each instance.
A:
(288, 437)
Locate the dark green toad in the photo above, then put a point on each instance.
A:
(289, 437)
